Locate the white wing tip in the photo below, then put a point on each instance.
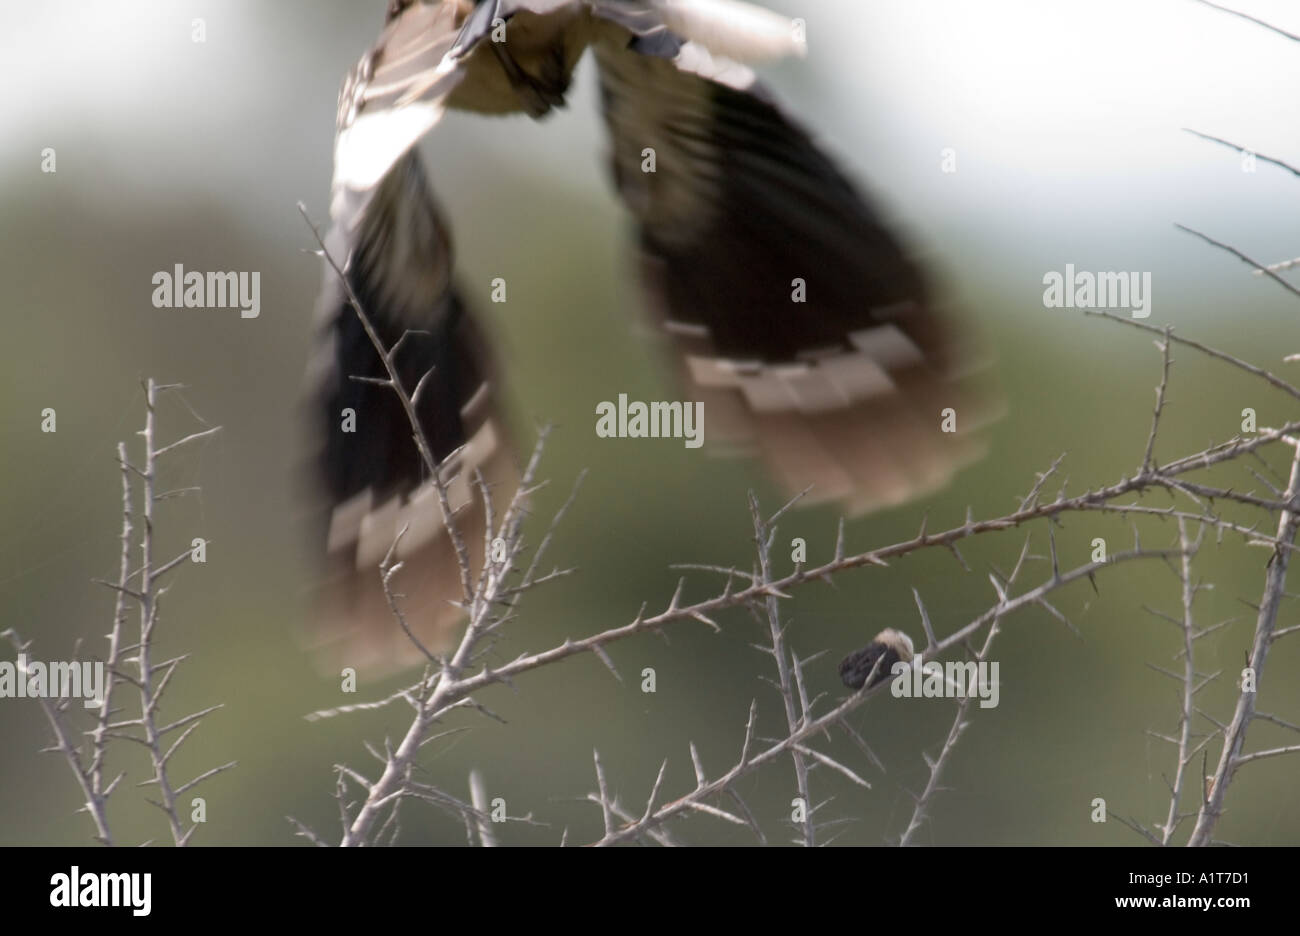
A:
(366, 150)
(735, 29)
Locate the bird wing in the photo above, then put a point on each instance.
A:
(394, 245)
(389, 236)
(375, 481)
(394, 95)
(740, 217)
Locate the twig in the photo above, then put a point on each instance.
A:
(959, 723)
(1265, 623)
(1260, 156)
(763, 535)
(1256, 21)
(94, 798)
(1188, 624)
(1242, 257)
(149, 696)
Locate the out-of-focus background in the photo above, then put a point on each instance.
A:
(1065, 118)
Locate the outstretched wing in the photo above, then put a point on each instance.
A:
(398, 259)
(373, 476)
(388, 231)
(799, 318)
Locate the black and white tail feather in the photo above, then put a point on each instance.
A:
(842, 391)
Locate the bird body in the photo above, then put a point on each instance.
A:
(541, 50)
(875, 662)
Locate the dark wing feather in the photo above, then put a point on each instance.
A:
(843, 391)
(857, 667)
(375, 481)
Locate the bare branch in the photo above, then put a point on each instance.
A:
(1242, 257)
(1265, 623)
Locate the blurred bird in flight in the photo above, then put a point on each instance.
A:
(795, 315)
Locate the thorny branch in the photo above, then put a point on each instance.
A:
(959, 722)
(150, 678)
(450, 684)
(764, 533)
(1235, 736)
